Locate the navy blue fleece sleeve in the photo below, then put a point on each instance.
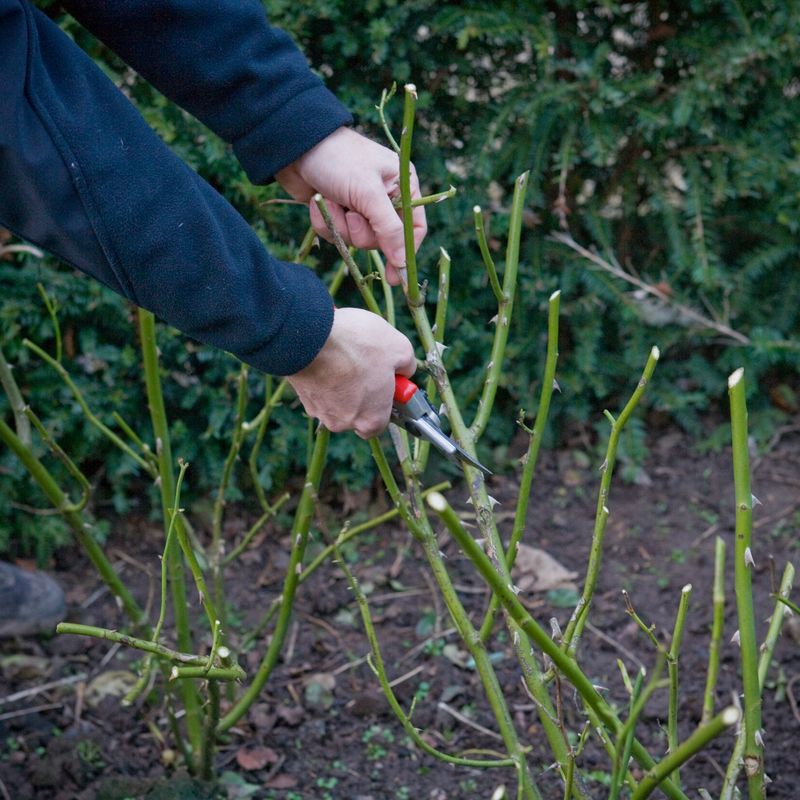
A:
(222, 62)
(82, 175)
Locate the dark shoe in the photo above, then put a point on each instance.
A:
(30, 602)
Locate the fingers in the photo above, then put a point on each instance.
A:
(359, 232)
(318, 221)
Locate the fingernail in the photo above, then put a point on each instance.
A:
(399, 258)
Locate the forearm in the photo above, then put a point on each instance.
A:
(82, 175)
(224, 63)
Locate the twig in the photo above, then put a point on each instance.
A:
(792, 698)
(580, 614)
(697, 741)
(407, 676)
(45, 687)
(22, 712)
(629, 654)
(467, 721)
(618, 272)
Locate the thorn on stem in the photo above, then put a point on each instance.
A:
(736, 638)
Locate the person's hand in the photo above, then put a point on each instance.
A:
(350, 384)
(358, 178)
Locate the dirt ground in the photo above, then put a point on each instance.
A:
(322, 729)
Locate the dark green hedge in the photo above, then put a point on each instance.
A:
(665, 135)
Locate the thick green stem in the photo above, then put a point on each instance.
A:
(581, 613)
(419, 526)
(158, 417)
(505, 308)
(694, 744)
(531, 456)
(409, 105)
(229, 673)
(743, 562)
(638, 701)
(673, 657)
(300, 528)
(15, 400)
(563, 662)
(764, 661)
(77, 524)
(718, 600)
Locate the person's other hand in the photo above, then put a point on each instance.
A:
(358, 178)
(350, 384)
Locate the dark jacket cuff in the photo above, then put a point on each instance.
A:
(307, 118)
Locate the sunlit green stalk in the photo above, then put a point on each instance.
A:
(655, 776)
(764, 661)
(386, 96)
(505, 308)
(673, 657)
(300, 528)
(428, 199)
(76, 522)
(422, 447)
(158, 417)
(10, 387)
(144, 679)
(488, 262)
(420, 527)
(639, 699)
(409, 106)
(718, 600)
(743, 562)
(563, 662)
(531, 456)
(581, 612)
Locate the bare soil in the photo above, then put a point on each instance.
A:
(305, 741)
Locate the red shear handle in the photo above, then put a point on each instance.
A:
(404, 389)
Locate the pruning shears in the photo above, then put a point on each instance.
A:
(413, 411)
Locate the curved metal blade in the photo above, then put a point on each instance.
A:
(446, 446)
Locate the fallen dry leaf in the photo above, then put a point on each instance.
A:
(537, 571)
(281, 781)
(253, 758)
